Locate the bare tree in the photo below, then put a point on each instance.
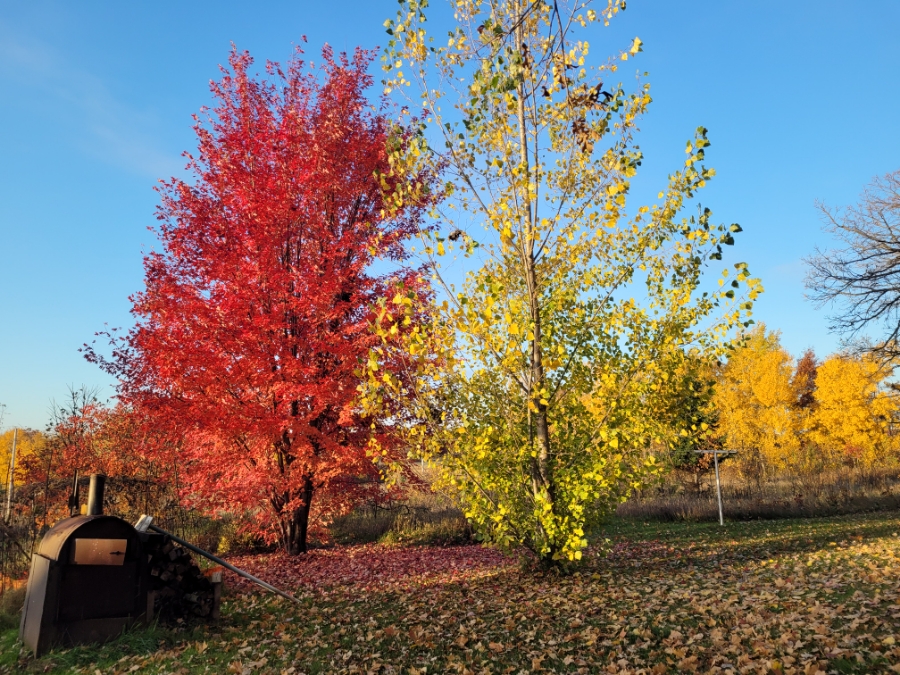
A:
(861, 279)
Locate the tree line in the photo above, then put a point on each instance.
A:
(791, 417)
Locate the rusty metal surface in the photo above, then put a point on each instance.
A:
(35, 625)
(88, 581)
(88, 527)
(96, 592)
(95, 494)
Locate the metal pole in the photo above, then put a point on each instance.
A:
(73, 496)
(144, 524)
(95, 495)
(718, 486)
(12, 472)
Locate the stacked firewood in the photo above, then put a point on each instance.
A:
(178, 587)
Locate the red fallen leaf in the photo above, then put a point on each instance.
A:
(361, 566)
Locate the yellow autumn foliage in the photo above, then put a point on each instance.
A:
(851, 421)
(565, 309)
(762, 414)
(28, 443)
(754, 399)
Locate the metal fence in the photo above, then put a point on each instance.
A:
(38, 506)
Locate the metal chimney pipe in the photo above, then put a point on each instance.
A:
(95, 495)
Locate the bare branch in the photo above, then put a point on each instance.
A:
(861, 278)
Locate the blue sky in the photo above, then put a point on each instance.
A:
(800, 99)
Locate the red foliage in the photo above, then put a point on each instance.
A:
(257, 313)
(93, 439)
(85, 436)
(804, 380)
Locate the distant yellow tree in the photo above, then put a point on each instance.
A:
(854, 410)
(28, 443)
(811, 459)
(754, 400)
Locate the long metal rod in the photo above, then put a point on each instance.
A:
(12, 473)
(718, 486)
(216, 559)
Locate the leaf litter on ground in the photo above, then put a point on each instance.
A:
(791, 597)
(369, 567)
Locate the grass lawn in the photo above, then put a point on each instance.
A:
(790, 596)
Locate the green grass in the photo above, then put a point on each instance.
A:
(786, 596)
(752, 537)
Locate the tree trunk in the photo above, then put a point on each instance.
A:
(541, 470)
(298, 525)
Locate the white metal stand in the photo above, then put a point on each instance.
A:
(715, 453)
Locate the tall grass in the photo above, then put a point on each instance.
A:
(682, 496)
(12, 600)
(421, 518)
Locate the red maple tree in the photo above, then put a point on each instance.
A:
(257, 312)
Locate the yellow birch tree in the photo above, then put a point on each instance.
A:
(548, 361)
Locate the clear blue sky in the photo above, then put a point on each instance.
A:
(801, 99)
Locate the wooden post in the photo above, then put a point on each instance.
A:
(217, 582)
(151, 606)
